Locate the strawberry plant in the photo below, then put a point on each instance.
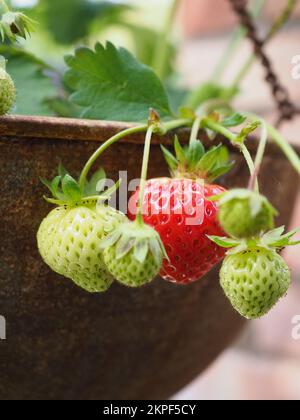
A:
(176, 226)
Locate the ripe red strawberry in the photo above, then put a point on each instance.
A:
(181, 212)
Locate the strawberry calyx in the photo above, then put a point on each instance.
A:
(14, 25)
(274, 240)
(67, 192)
(194, 162)
(137, 237)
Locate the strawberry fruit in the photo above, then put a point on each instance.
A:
(245, 214)
(254, 276)
(133, 254)
(69, 237)
(7, 89)
(254, 281)
(179, 209)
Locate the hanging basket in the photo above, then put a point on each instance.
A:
(63, 343)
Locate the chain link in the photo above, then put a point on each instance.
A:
(285, 106)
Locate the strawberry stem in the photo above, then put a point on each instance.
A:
(253, 184)
(220, 129)
(139, 217)
(103, 147)
(171, 125)
(287, 149)
(195, 130)
(281, 142)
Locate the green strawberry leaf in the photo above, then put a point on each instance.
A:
(71, 188)
(110, 84)
(62, 107)
(234, 120)
(69, 21)
(33, 83)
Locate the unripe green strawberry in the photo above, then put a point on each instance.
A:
(245, 214)
(254, 280)
(69, 242)
(133, 254)
(128, 270)
(7, 92)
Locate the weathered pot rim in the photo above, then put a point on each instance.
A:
(61, 129)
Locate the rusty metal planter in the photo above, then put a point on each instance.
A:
(63, 343)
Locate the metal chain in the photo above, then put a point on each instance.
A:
(285, 106)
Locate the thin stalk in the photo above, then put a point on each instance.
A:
(261, 148)
(277, 25)
(282, 143)
(103, 147)
(218, 128)
(237, 37)
(133, 130)
(287, 149)
(195, 130)
(161, 49)
(139, 217)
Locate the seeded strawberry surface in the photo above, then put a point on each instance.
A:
(128, 271)
(68, 241)
(7, 92)
(254, 281)
(179, 210)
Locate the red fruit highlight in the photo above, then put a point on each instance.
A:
(179, 210)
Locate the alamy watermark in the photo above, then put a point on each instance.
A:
(296, 67)
(296, 328)
(2, 328)
(183, 199)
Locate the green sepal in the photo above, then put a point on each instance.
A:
(71, 189)
(273, 240)
(66, 190)
(224, 242)
(15, 25)
(256, 201)
(96, 183)
(136, 237)
(62, 171)
(276, 239)
(141, 249)
(170, 159)
(194, 162)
